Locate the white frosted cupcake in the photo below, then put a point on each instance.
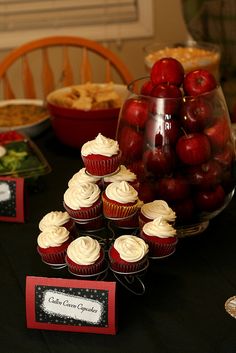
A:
(52, 244)
(83, 201)
(124, 174)
(151, 210)
(59, 219)
(120, 200)
(82, 177)
(160, 236)
(128, 254)
(85, 256)
(101, 156)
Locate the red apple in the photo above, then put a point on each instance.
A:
(198, 81)
(171, 101)
(193, 148)
(131, 144)
(135, 112)
(172, 189)
(146, 88)
(162, 130)
(195, 114)
(218, 133)
(167, 70)
(205, 175)
(165, 90)
(160, 160)
(210, 200)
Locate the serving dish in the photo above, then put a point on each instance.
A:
(29, 116)
(74, 127)
(193, 55)
(20, 157)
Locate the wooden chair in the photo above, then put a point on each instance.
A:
(87, 57)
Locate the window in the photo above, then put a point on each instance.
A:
(24, 20)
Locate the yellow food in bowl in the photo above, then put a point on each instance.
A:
(87, 96)
(192, 56)
(14, 115)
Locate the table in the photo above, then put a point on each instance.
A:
(182, 310)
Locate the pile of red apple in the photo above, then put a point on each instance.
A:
(175, 134)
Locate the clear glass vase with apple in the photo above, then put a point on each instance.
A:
(181, 149)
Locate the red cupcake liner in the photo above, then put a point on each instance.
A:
(54, 254)
(159, 249)
(101, 167)
(85, 212)
(86, 270)
(114, 210)
(56, 258)
(123, 266)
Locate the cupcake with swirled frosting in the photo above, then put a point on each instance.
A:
(85, 256)
(52, 244)
(59, 219)
(151, 210)
(82, 177)
(83, 202)
(128, 254)
(124, 174)
(120, 200)
(101, 156)
(160, 236)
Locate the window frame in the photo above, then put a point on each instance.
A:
(140, 28)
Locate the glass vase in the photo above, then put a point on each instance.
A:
(182, 151)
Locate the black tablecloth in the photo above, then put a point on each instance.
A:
(182, 310)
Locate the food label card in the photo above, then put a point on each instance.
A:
(12, 199)
(70, 305)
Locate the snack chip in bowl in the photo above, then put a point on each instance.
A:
(88, 96)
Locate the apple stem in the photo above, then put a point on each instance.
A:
(184, 131)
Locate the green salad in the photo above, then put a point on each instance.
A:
(19, 159)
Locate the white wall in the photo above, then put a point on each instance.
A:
(169, 25)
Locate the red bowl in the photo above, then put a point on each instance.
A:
(74, 127)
